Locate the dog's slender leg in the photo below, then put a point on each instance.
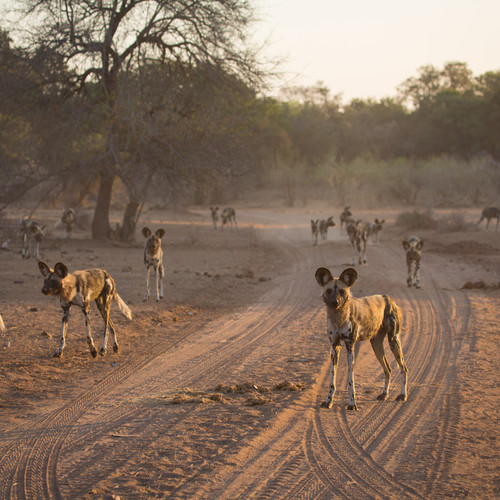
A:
(377, 343)
(160, 278)
(116, 347)
(350, 378)
(358, 248)
(327, 403)
(90, 340)
(409, 279)
(146, 294)
(352, 253)
(109, 321)
(395, 345)
(64, 329)
(157, 293)
(417, 272)
(101, 306)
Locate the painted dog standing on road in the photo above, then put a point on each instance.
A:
(351, 320)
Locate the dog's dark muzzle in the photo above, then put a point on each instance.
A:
(331, 301)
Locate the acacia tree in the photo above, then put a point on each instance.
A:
(99, 39)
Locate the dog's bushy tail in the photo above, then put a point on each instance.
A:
(392, 314)
(124, 309)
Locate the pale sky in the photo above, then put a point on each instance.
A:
(367, 48)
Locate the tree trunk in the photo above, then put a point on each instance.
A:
(129, 218)
(100, 224)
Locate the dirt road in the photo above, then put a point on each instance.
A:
(249, 377)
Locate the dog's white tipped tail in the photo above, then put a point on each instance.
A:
(124, 309)
(2, 325)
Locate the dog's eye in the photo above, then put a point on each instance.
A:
(342, 292)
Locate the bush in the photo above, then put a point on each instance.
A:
(416, 220)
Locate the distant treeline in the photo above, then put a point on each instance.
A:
(193, 130)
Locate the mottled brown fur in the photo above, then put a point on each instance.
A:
(373, 228)
(215, 216)
(81, 288)
(490, 213)
(413, 247)
(228, 216)
(351, 320)
(324, 224)
(32, 234)
(314, 231)
(153, 258)
(357, 236)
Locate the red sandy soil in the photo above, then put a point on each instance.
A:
(216, 390)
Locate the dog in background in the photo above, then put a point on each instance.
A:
(81, 288)
(228, 216)
(373, 228)
(351, 320)
(490, 213)
(68, 219)
(357, 236)
(153, 258)
(346, 217)
(215, 216)
(324, 224)
(413, 248)
(32, 234)
(314, 231)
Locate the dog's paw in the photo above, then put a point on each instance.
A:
(401, 397)
(326, 404)
(102, 351)
(352, 407)
(93, 352)
(58, 354)
(115, 348)
(382, 397)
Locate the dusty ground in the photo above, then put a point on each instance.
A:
(215, 392)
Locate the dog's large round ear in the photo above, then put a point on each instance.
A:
(405, 244)
(323, 276)
(146, 232)
(420, 245)
(160, 233)
(44, 268)
(61, 270)
(349, 277)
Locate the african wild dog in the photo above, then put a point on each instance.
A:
(228, 215)
(324, 224)
(490, 213)
(153, 258)
(352, 320)
(32, 234)
(413, 248)
(314, 231)
(346, 217)
(373, 228)
(81, 288)
(357, 236)
(215, 216)
(68, 220)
